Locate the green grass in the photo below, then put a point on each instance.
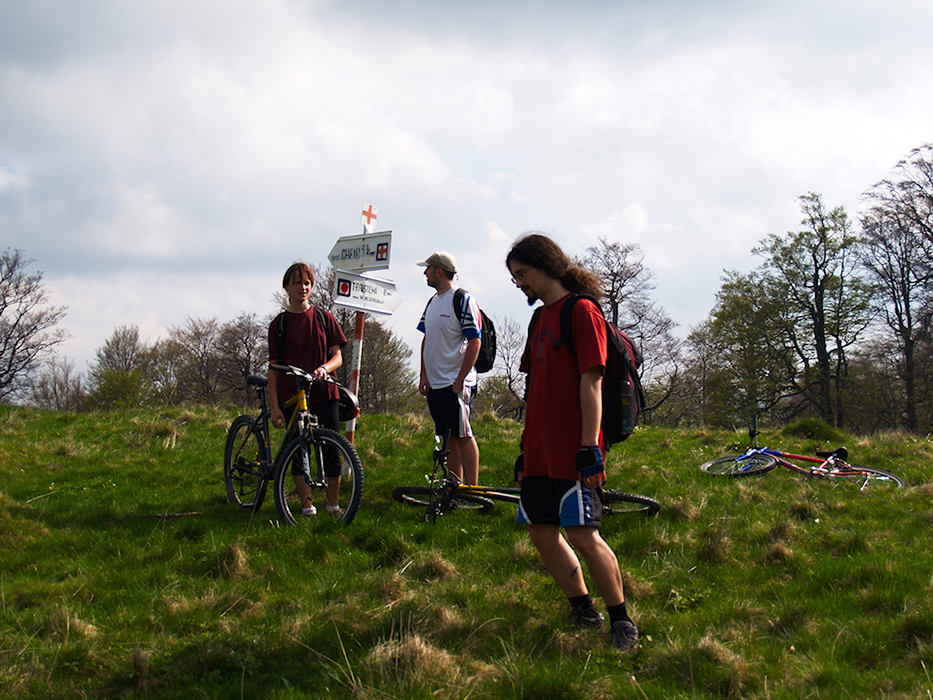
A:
(126, 574)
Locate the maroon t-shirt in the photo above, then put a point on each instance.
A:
(307, 341)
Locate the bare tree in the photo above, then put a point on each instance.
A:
(626, 280)
(504, 391)
(627, 285)
(27, 326)
(897, 241)
(59, 387)
(199, 373)
(242, 349)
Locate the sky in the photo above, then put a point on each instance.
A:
(161, 160)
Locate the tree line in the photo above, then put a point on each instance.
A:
(834, 323)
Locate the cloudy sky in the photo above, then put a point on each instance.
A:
(165, 159)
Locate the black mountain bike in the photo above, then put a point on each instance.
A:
(444, 493)
(305, 456)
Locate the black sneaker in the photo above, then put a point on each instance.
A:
(587, 618)
(624, 636)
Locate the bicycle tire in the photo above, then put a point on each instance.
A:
(620, 503)
(424, 496)
(868, 477)
(285, 487)
(739, 465)
(245, 475)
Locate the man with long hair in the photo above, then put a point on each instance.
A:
(561, 468)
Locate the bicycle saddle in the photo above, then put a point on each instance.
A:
(257, 380)
(839, 453)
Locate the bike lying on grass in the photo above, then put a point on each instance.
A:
(445, 493)
(306, 452)
(825, 465)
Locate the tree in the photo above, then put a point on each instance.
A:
(59, 387)
(27, 326)
(748, 366)
(387, 383)
(813, 273)
(504, 391)
(123, 351)
(121, 376)
(627, 286)
(198, 371)
(897, 232)
(243, 349)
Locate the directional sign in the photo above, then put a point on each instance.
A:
(365, 252)
(365, 293)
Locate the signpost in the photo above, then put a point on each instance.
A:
(366, 252)
(351, 257)
(365, 293)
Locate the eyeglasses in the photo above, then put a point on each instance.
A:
(519, 275)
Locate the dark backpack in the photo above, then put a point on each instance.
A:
(623, 397)
(487, 349)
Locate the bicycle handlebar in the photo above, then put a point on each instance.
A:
(301, 374)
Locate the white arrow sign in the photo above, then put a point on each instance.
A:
(365, 293)
(365, 252)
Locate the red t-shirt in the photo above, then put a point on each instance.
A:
(307, 341)
(553, 417)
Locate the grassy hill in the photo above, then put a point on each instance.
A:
(126, 573)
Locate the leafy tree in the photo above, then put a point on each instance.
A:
(813, 274)
(27, 325)
(123, 351)
(749, 368)
(121, 376)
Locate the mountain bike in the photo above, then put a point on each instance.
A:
(444, 492)
(825, 465)
(305, 456)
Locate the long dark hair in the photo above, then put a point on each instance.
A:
(540, 252)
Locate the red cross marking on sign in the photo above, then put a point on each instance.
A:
(369, 214)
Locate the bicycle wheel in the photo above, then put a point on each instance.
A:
(617, 502)
(425, 495)
(244, 473)
(325, 450)
(865, 477)
(739, 465)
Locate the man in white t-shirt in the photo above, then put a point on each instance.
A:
(448, 352)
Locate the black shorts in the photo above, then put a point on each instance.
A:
(451, 412)
(562, 502)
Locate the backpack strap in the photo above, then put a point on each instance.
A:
(566, 319)
(457, 303)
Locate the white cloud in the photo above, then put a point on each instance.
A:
(148, 148)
